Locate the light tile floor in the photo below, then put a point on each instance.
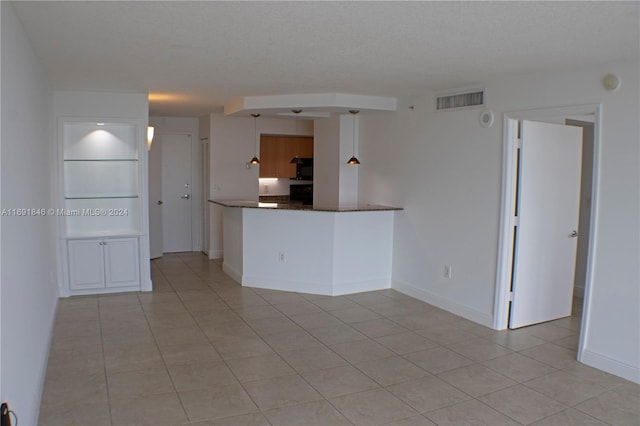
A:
(200, 349)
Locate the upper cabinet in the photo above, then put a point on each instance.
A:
(276, 153)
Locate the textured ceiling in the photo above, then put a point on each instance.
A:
(193, 57)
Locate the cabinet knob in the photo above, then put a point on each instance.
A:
(186, 196)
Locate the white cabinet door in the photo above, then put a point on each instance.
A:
(121, 262)
(86, 264)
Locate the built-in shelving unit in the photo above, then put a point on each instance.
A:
(101, 211)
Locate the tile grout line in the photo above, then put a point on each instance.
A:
(307, 331)
(215, 349)
(104, 360)
(164, 363)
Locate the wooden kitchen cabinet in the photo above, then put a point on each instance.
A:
(276, 153)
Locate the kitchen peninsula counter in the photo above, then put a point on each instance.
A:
(298, 206)
(329, 250)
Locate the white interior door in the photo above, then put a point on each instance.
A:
(176, 192)
(547, 210)
(155, 198)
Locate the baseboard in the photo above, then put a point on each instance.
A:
(43, 376)
(610, 365)
(232, 272)
(360, 286)
(284, 285)
(327, 289)
(215, 254)
(434, 299)
(147, 285)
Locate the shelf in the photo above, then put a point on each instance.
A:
(101, 197)
(98, 234)
(100, 159)
(104, 215)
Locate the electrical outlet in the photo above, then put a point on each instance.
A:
(447, 271)
(281, 257)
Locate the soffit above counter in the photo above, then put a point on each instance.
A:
(314, 105)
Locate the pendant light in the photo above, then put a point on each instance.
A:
(353, 160)
(296, 159)
(255, 160)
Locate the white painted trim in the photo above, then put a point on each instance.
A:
(443, 303)
(500, 314)
(505, 241)
(232, 272)
(43, 369)
(108, 290)
(610, 365)
(593, 236)
(578, 291)
(327, 289)
(215, 254)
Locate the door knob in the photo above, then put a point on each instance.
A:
(186, 196)
(160, 202)
(574, 234)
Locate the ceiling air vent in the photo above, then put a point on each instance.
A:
(460, 100)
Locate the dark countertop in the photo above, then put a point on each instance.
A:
(280, 206)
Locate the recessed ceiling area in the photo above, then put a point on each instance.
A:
(195, 57)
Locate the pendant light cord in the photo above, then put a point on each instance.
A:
(353, 112)
(255, 132)
(353, 160)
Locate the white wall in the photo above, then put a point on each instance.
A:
(349, 137)
(335, 181)
(445, 170)
(273, 186)
(232, 144)
(188, 125)
(28, 287)
(326, 168)
(319, 252)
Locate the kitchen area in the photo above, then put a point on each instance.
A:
(287, 218)
(286, 169)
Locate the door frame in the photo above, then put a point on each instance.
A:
(506, 234)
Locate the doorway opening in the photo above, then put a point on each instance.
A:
(589, 115)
